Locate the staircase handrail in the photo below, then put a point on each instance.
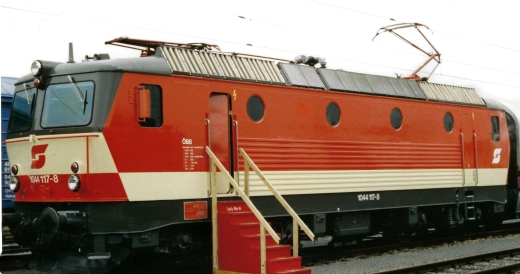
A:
(281, 200)
(243, 196)
(214, 161)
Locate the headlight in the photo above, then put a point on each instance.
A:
(74, 182)
(36, 68)
(14, 183)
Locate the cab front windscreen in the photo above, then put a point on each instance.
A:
(22, 111)
(68, 104)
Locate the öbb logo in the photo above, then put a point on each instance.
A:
(496, 156)
(38, 156)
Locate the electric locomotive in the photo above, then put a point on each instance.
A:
(108, 156)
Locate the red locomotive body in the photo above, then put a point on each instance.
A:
(399, 163)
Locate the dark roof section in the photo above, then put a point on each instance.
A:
(340, 80)
(24, 79)
(149, 65)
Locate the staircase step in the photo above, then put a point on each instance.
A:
(239, 217)
(284, 264)
(274, 251)
(239, 243)
(249, 228)
(295, 271)
(254, 240)
(239, 264)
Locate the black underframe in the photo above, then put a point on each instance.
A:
(134, 217)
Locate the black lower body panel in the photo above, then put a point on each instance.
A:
(126, 217)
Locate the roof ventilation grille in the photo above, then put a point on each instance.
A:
(221, 65)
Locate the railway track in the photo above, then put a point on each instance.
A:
(10, 247)
(16, 258)
(504, 261)
(13, 256)
(375, 246)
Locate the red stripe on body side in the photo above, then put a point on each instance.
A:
(327, 155)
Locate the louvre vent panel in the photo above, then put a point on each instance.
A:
(446, 93)
(221, 65)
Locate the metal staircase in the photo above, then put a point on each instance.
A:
(240, 244)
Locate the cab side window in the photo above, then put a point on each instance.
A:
(495, 129)
(156, 107)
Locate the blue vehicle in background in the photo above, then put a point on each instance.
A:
(7, 100)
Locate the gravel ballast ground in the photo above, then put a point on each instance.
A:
(406, 258)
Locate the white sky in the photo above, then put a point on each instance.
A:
(478, 40)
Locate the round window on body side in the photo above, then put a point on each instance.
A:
(448, 122)
(255, 108)
(396, 118)
(332, 113)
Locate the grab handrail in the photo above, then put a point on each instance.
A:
(264, 225)
(296, 219)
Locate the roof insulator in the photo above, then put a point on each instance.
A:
(310, 60)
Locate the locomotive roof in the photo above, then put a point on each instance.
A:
(201, 60)
(150, 65)
(243, 68)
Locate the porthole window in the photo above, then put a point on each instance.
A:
(448, 122)
(255, 108)
(332, 114)
(396, 118)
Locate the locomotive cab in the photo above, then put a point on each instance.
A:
(53, 135)
(53, 132)
(513, 207)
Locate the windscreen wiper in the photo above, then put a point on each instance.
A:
(78, 93)
(26, 95)
(85, 102)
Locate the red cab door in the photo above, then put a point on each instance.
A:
(220, 140)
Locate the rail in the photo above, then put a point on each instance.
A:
(214, 163)
(500, 256)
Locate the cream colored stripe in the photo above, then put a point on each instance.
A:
(194, 185)
(61, 152)
(294, 182)
(165, 185)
